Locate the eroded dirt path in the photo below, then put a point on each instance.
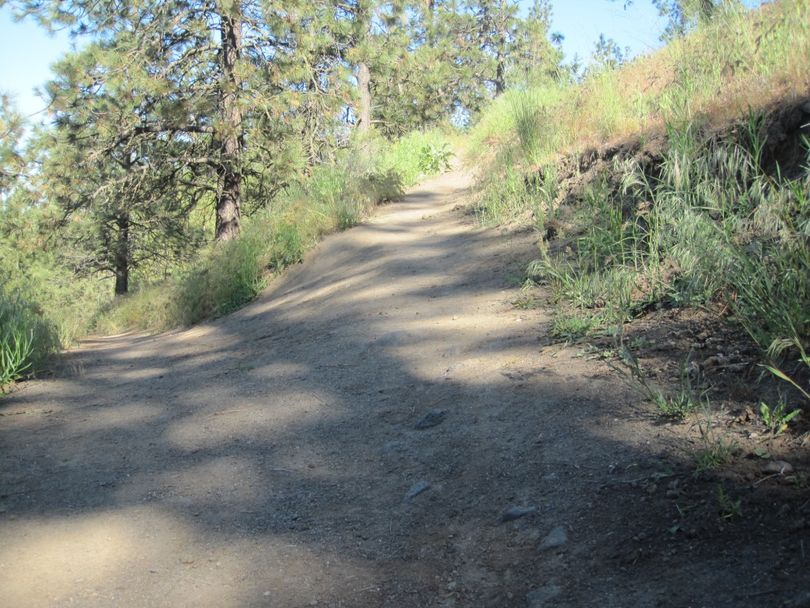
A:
(272, 458)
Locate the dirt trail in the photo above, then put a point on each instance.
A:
(273, 457)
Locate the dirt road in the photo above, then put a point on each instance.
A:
(381, 428)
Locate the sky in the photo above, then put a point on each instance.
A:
(27, 50)
(26, 54)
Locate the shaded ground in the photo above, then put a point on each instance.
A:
(272, 457)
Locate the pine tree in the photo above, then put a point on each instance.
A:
(11, 132)
(188, 65)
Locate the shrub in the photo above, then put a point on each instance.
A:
(26, 339)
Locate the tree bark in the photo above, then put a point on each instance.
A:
(121, 258)
(229, 139)
(500, 81)
(364, 85)
(500, 62)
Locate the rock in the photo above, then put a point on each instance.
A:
(556, 538)
(779, 467)
(416, 489)
(513, 513)
(431, 419)
(537, 598)
(711, 362)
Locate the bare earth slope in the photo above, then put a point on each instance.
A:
(354, 438)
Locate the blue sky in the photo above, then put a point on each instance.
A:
(26, 53)
(27, 50)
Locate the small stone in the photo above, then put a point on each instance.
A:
(779, 467)
(516, 512)
(416, 489)
(537, 598)
(710, 362)
(556, 538)
(431, 419)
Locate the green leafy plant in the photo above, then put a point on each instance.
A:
(777, 418)
(435, 158)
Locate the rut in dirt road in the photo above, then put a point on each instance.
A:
(381, 428)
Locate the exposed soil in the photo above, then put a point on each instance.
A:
(382, 427)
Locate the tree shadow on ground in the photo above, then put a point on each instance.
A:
(264, 459)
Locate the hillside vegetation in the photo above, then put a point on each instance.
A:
(679, 180)
(190, 150)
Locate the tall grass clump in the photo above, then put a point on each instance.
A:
(512, 196)
(26, 339)
(713, 228)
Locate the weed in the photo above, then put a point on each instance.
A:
(572, 327)
(716, 450)
(527, 299)
(529, 118)
(15, 356)
(26, 339)
(780, 346)
(776, 418)
(727, 507)
(676, 405)
(435, 158)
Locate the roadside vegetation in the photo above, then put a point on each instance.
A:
(680, 180)
(191, 150)
(48, 308)
(227, 275)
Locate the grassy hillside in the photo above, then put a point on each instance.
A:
(744, 61)
(679, 181)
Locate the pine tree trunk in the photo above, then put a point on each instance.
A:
(364, 85)
(500, 81)
(229, 138)
(121, 259)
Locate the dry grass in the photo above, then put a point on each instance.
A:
(745, 61)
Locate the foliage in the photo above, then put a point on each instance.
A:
(11, 128)
(777, 418)
(26, 339)
(228, 275)
(435, 159)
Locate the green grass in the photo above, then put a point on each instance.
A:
(26, 338)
